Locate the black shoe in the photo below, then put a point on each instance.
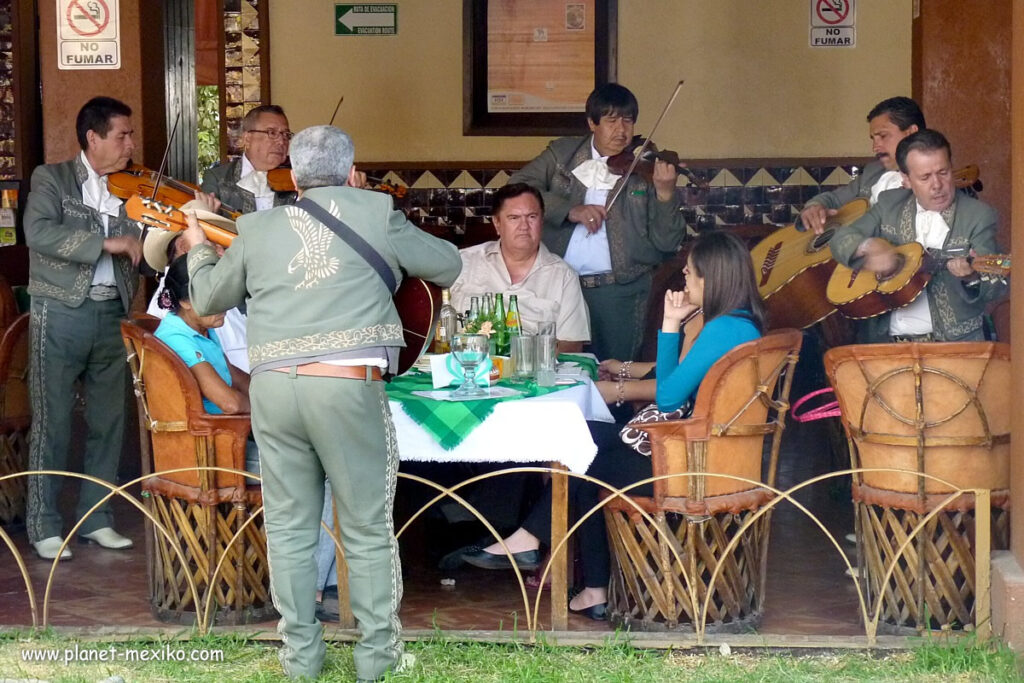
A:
(324, 614)
(526, 560)
(598, 612)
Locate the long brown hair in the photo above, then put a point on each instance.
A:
(724, 262)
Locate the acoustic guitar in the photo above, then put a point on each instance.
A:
(418, 302)
(792, 268)
(863, 294)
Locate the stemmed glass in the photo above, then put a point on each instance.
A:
(470, 350)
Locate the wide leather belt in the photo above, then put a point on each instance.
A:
(913, 337)
(341, 371)
(599, 280)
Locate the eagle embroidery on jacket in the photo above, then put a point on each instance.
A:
(316, 239)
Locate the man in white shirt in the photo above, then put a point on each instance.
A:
(546, 287)
(242, 184)
(889, 122)
(83, 255)
(952, 225)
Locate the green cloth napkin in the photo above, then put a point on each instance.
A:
(586, 362)
(449, 422)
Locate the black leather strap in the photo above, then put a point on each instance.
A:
(352, 239)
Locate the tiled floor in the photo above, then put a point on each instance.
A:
(807, 592)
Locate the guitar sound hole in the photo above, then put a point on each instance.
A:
(901, 261)
(821, 241)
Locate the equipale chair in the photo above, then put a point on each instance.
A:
(942, 409)
(15, 417)
(740, 405)
(201, 509)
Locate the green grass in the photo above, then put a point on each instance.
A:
(440, 659)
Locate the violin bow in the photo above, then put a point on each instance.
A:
(163, 162)
(336, 108)
(643, 147)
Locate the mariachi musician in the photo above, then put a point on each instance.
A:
(242, 183)
(941, 219)
(614, 251)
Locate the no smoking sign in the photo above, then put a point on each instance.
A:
(88, 34)
(833, 23)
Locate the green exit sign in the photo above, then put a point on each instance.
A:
(368, 19)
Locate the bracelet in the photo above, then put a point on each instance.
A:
(621, 394)
(624, 370)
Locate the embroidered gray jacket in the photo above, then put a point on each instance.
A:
(222, 181)
(65, 237)
(956, 310)
(309, 295)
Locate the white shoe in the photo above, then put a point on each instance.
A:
(48, 547)
(108, 538)
(851, 538)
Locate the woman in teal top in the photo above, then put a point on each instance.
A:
(721, 309)
(224, 387)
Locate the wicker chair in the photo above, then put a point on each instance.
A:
(15, 417)
(202, 510)
(943, 409)
(740, 405)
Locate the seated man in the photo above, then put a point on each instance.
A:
(946, 222)
(518, 263)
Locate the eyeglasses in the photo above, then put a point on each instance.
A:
(273, 133)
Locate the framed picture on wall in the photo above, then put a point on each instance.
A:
(528, 65)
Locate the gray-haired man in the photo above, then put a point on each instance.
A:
(321, 329)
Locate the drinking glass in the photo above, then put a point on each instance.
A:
(546, 360)
(470, 350)
(522, 351)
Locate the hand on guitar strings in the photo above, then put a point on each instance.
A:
(814, 216)
(879, 256)
(960, 267)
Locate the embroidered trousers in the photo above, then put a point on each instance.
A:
(306, 428)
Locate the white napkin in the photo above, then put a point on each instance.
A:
(256, 182)
(446, 371)
(595, 175)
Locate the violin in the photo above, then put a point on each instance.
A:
(157, 215)
(621, 162)
(137, 179)
(280, 180)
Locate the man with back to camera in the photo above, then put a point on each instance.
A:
(614, 250)
(321, 329)
(83, 259)
(944, 221)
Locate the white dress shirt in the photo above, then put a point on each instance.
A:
(256, 182)
(588, 252)
(916, 317)
(96, 195)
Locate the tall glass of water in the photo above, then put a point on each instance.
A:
(470, 350)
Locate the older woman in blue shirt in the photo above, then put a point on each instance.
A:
(721, 309)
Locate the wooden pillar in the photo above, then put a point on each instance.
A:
(1008, 566)
(139, 82)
